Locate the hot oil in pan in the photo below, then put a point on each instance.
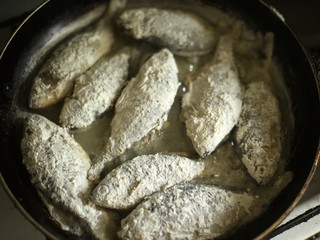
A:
(223, 167)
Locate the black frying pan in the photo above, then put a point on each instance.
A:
(53, 15)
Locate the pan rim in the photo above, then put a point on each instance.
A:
(317, 156)
(17, 204)
(261, 235)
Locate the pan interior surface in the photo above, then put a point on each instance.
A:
(17, 69)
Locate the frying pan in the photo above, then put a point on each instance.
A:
(19, 62)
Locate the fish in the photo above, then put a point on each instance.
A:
(127, 185)
(143, 106)
(96, 90)
(72, 57)
(191, 211)
(68, 60)
(184, 33)
(258, 132)
(58, 168)
(212, 104)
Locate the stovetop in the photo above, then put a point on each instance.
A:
(302, 223)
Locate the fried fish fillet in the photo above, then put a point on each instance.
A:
(190, 211)
(96, 90)
(128, 184)
(184, 33)
(258, 132)
(143, 106)
(58, 168)
(212, 105)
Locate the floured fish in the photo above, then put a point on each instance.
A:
(131, 182)
(184, 33)
(72, 57)
(143, 106)
(96, 91)
(68, 222)
(212, 105)
(258, 132)
(58, 168)
(191, 211)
